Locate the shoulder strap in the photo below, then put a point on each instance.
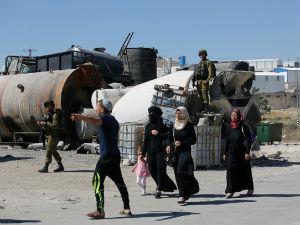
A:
(252, 143)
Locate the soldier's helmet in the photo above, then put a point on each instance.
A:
(49, 102)
(202, 52)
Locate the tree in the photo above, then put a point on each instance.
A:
(260, 101)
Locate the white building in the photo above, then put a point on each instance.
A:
(264, 64)
(290, 77)
(268, 82)
(290, 63)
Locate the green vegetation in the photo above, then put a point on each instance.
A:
(261, 102)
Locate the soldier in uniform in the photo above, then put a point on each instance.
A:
(51, 127)
(203, 73)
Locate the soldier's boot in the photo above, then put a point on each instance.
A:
(44, 169)
(206, 108)
(60, 168)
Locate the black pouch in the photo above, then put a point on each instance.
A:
(170, 159)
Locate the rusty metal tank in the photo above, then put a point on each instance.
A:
(22, 97)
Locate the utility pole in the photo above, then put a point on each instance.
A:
(29, 50)
(297, 97)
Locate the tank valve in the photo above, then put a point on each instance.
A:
(21, 87)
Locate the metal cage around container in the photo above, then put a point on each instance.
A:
(206, 153)
(131, 135)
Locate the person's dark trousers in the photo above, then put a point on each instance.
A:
(156, 168)
(109, 166)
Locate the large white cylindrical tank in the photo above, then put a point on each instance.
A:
(111, 94)
(133, 106)
(86, 131)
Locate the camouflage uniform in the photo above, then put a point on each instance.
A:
(52, 135)
(206, 70)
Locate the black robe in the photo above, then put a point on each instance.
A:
(154, 148)
(239, 175)
(184, 166)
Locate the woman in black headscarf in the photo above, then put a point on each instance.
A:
(182, 137)
(155, 133)
(237, 155)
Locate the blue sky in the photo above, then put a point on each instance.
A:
(229, 30)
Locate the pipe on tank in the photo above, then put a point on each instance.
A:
(22, 97)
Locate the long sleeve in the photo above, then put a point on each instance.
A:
(163, 132)
(210, 70)
(52, 126)
(227, 143)
(170, 139)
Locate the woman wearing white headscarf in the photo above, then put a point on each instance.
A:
(182, 137)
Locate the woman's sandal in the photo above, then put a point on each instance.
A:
(122, 212)
(96, 215)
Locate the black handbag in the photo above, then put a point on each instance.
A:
(170, 159)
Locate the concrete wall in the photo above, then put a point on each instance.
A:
(280, 100)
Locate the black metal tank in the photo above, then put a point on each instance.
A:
(106, 62)
(140, 63)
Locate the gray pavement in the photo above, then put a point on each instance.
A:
(32, 198)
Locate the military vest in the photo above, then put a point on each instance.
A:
(201, 71)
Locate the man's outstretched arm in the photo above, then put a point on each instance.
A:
(88, 119)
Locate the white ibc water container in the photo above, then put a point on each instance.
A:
(207, 150)
(130, 137)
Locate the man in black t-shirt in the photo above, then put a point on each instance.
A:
(109, 162)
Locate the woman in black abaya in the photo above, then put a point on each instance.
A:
(155, 133)
(237, 155)
(182, 137)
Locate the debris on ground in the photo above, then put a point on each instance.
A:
(88, 148)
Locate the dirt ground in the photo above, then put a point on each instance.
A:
(29, 197)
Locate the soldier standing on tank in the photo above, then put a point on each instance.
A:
(204, 71)
(51, 127)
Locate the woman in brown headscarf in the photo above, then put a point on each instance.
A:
(237, 155)
(182, 137)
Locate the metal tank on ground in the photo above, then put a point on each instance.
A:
(140, 63)
(22, 97)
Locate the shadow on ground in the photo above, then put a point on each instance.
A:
(272, 195)
(19, 221)
(160, 215)
(79, 171)
(8, 158)
(219, 202)
(273, 162)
